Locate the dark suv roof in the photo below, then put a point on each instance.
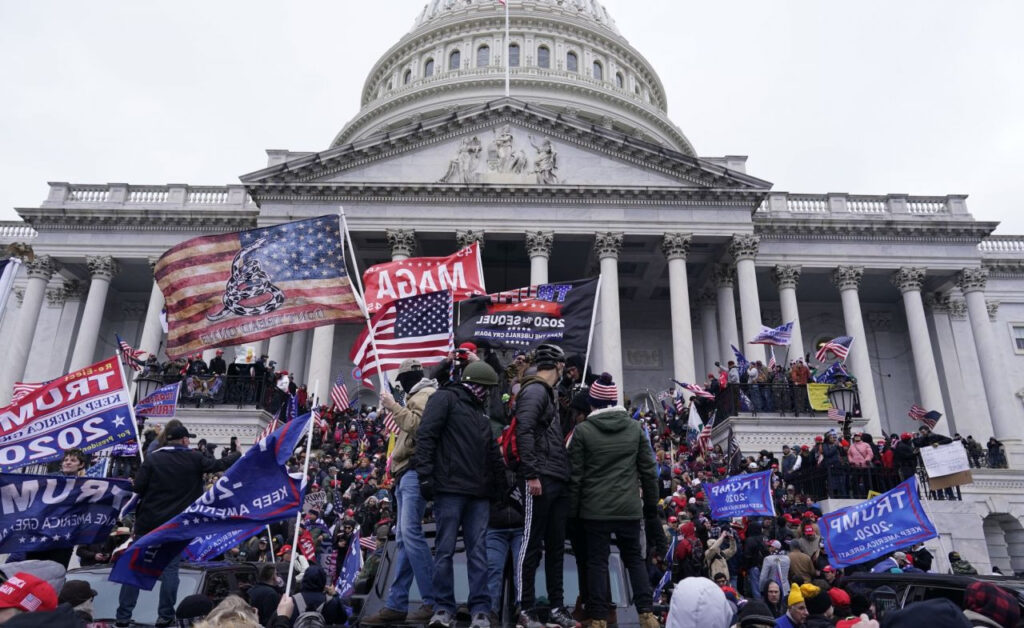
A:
(913, 587)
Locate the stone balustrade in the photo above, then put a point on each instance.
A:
(1002, 246)
(16, 231)
(786, 204)
(147, 196)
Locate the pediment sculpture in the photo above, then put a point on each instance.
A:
(503, 161)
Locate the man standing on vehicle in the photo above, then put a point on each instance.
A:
(610, 456)
(545, 466)
(459, 466)
(413, 557)
(168, 481)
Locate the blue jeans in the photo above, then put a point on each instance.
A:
(753, 576)
(451, 511)
(414, 557)
(129, 596)
(499, 544)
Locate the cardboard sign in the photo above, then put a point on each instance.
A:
(315, 501)
(942, 460)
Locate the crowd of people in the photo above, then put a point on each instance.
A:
(518, 459)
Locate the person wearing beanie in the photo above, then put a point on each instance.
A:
(819, 607)
(544, 463)
(934, 613)
(698, 602)
(989, 605)
(755, 614)
(609, 456)
(194, 608)
(797, 613)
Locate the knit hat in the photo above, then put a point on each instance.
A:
(194, 607)
(796, 596)
(993, 602)
(603, 393)
(28, 593)
(817, 602)
(755, 614)
(934, 613)
(839, 597)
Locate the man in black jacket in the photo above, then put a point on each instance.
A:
(168, 482)
(460, 467)
(544, 464)
(265, 595)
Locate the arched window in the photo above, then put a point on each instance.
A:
(572, 62)
(407, 77)
(619, 80)
(513, 55)
(483, 56)
(543, 57)
(454, 60)
(598, 71)
(428, 68)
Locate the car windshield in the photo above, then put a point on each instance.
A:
(105, 604)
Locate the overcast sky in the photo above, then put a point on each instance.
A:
(866, 97)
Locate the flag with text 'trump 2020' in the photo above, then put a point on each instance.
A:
(255, 491)
(743, 495)
(234, 288)
(89, 409)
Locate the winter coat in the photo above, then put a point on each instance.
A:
(455, 451)
(717, 555)
(312, 592)
(698, 602)
(169, 481)
(539, 436)
(408, 421)
(610, 458)
(264, 598)
(860, 454)
(904, 456)
(775, 567)
(801, 567)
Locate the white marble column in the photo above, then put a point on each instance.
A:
(320, 378)
(402, 243)
(278, 351)
(102, 268)
(676, 246)
(998, 392)
(743, 249)
(18, 346)
(607, 246)
(727, 336)
(72, 293)
(152, 332)
(299, 353)
(709, 334)
(909, 281)
(538, 245)
(786, 279)
(847, 279)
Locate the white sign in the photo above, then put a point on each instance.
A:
(315, 501)
(945, 459)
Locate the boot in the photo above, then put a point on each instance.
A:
(578, 612)
(648, 620)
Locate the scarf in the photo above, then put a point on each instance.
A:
(479, 391)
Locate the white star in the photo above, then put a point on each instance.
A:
(119, 421)
(21, 539)
(186, 521)
(195, 520)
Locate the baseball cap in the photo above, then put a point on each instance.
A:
(28, 593)
(178, 432)
(76, 592)
(409, 365)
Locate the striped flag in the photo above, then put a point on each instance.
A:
(24, 388)
(132, 358)
(839, 346)
(771, 357)
(695, 389)
(916, 412)
(268, 430)
(781, 335)
(417, 327)
(235, 288)
(704, 438)
(368, 543)
(339, 393)
(836, 415)
(929, 417)
(390, 427)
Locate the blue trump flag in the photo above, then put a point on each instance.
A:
(876, 527)
(746, 495)
(46, 511)
(161, 403)
(350, 567)
(255, 491)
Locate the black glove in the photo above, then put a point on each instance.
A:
(427, 489)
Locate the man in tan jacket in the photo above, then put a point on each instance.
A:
(414, 558)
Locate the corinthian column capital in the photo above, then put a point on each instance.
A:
(847, 277)
(101, 266)
(539, 243)
(608, 244)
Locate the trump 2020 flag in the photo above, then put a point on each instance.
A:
(234, 288)
(745, 495)
(350, 566)
(781, 335)
(255, 491)
(46, 511)
(876, 527)
(89, 409)
(161, 403)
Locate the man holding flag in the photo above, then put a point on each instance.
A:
(168, 482)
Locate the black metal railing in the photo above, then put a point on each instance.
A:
(214, 390)
(846, 482)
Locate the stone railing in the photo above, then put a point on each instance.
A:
(785, 204)
(148, 196)
(16, 231)
(1002, 246)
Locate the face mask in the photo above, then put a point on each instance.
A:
(479, 391)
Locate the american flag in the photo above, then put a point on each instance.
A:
(368, 543)
(695, 389)
(704, 438)
(268, 430)
(916, 412)
(417, 327)
(836, 415)
(929, 418)
(388, 419)
(839, 346)
(217, 287)
(24, 388)
(771, 357)
(131, 357)
(680, 405)
(781, 335)
(339, 393)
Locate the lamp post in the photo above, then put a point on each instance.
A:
(844, 398)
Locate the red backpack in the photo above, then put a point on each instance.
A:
(508, 444)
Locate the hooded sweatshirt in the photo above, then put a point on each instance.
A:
(698, 602)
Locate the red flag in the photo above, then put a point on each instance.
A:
(461, 273)
(306, 546)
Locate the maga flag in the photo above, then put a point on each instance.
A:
(461, 273)
(553, 312)
(233, 288)
(255, 491)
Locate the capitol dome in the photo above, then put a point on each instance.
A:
(566, 55)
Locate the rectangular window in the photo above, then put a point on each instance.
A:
(513, 56)
(1017, 334)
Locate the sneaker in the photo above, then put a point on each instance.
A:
(419, 616)
(528, 620)
(649, 620)
(480, 620)
(441, 619)
(385, 616)
(560, 618)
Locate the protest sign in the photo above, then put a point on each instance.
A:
(946, 465)
(461, 273)
(161, 403)
(89, 409)
(46, 511)
(746, 495)
(876, 527)
(314, 501)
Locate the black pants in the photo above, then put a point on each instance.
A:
(545, 531)
(627, 535)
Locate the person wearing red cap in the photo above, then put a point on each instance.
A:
(905, 456)
(24, 593)
(217, 365)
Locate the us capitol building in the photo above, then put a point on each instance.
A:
(579, 172)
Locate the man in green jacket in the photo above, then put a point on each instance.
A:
(612, 486)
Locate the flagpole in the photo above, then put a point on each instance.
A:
(590, 336)
(270, 542)
(360, 297)
(298, 515)
(508, 63)
(131, 406)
